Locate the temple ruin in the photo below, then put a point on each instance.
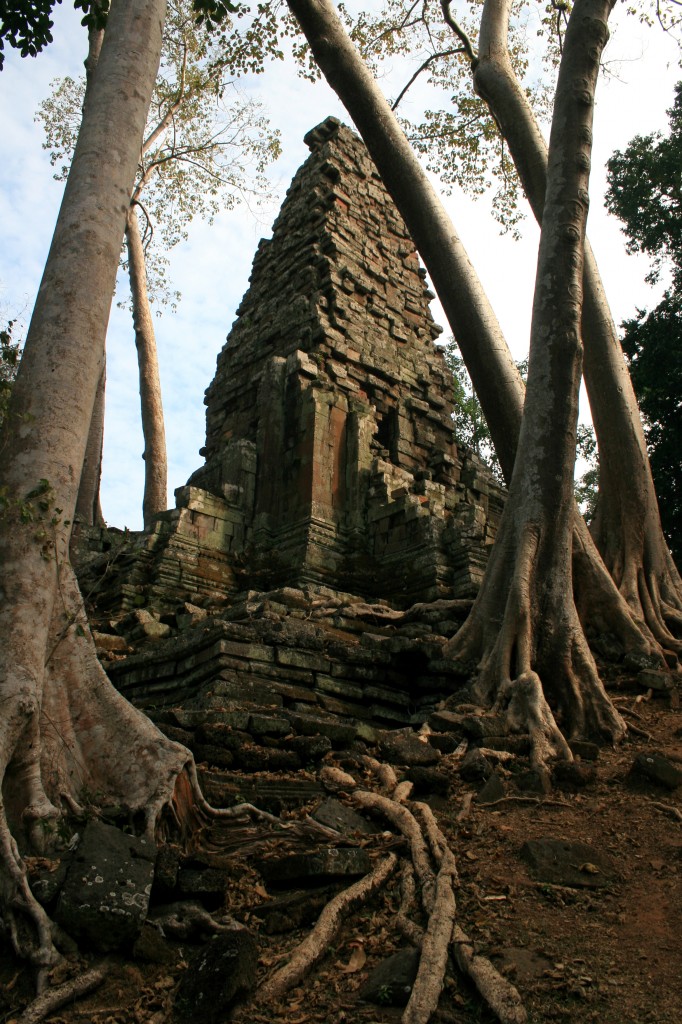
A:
(330, 456)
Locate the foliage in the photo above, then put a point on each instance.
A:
(456, 132)
(248, 39)
(471, 428)
(27, 24)
(645, 191)
(10, 353)
(206, 145)
(587, 486)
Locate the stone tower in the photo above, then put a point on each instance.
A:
(330, 452)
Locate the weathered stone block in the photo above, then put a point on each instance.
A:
(247, 651)
(656, 767)
(340, 733)
(335, 862)
(221, 974)
(339, 687)
(303, 659)
(105, 897)
(563, 862)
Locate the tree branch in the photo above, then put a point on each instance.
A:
(458, 30)
(422, 67)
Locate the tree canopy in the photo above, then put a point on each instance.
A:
(645, 192)
(206, 143)
(27, 24)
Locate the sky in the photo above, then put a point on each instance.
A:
(211, 269)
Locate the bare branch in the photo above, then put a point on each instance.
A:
(422, 67)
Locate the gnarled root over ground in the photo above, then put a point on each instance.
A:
(433, 862)
(534, 662)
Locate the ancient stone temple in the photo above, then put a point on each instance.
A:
(330, 452)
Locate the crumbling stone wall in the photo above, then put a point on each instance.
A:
(330, 457)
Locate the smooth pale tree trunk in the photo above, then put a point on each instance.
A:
(88, 507)
(627, 527)
(155, 499)
(155, 459)
(494, 374)
(524, 626)
(64, 730)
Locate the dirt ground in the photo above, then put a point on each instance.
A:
(611, 954)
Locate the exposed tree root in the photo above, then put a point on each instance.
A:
(465, 809)
(337, 781)
(85, 724)
(428, 984)
(438, 844)
(539, 801)
(50, 1001)
(673, 812)
(29, 926)
(528, 710)
(434, 864)
(601, 605)
(405, 821)
(522, 628)
(385, 773)
(661, 612)
(502, 998)
(413, 932)
(636, 555)
(402, 792)
(316, 944)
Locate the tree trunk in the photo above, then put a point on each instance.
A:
(64, 731)
(627, 527)
(524, 625)
(155, 461)
(493, 372)
(88, 507)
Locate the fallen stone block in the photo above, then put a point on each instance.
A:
(561, 862)
(657, 768)
(491, 791)
(221, 974)
(310, 749)
(335, 862)
(344, 819)
(105, 897)
(390, 984)
(407, 748)
(656, 680)
(475, 767)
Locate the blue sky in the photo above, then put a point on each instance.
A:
(212, 268)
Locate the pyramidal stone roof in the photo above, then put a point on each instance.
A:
(339, 281)
(330, 455)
